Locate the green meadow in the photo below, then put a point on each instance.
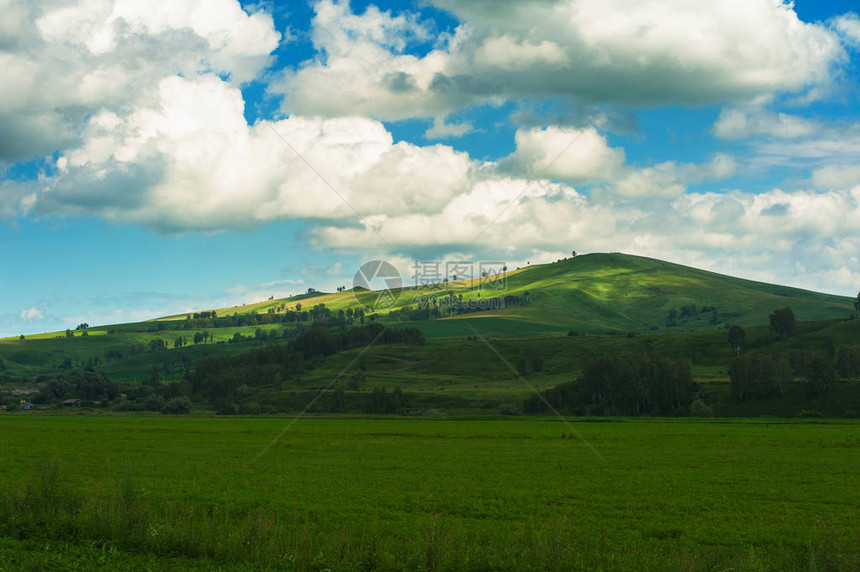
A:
(83, 492)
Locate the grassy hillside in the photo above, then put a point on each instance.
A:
(594, 293)
(600, 292)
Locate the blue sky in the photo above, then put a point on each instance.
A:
(163, 157)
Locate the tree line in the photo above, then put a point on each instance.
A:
(623, 384)
(763, 375)
(319, 315)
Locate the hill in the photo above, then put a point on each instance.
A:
(591, 294)
(599, 292)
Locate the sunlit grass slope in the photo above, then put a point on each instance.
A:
(599, 292)
(593, 293)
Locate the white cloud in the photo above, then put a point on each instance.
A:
(803, 238)
(753, 122)
(572, 155)
(442, 129)
(591, 50)
(848, 26)
(32, 313)
(844, 176)
(173, 151)
(60, 63)
(185, 159)
(661, 180)
(670, 179)
(828, 148)
(287, 282)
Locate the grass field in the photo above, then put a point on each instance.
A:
(407, 494)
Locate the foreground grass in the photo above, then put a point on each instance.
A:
(397, 494)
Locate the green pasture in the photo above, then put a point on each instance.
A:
(423, 494)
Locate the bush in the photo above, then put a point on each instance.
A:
(228, 408)
(435, 413)
(700, 409)
(251, 408)
(810, 414)
(508, 409)
(177, 406)
(154, 403)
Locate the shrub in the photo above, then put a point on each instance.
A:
(154, 403)
(810, 414)
(700, 409)
(508, 409)
(177, 406)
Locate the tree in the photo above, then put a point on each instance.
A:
(857, 304)
(783, 374)
(782, 322)
(737, 335)
(672, 320)
(177, 406)
(829, 346)
(522, 367)
(338, 400)
(356, 380)
(822, 374)
(154, 376)
(847, 362)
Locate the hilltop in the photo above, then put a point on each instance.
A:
(595, 293)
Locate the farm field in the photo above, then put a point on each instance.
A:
(427, 494)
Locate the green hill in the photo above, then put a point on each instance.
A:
(595, 293)
(599, 292)
(591, 294)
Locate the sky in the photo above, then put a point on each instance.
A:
(166, 156)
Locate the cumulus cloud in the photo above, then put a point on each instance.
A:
(671, 179)
(146, 108)
(60, 63)
(187, 160)
(804, 238)
(843, 176)
(591, 50)
(829, 148)
(573, 155)
(745, 123)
